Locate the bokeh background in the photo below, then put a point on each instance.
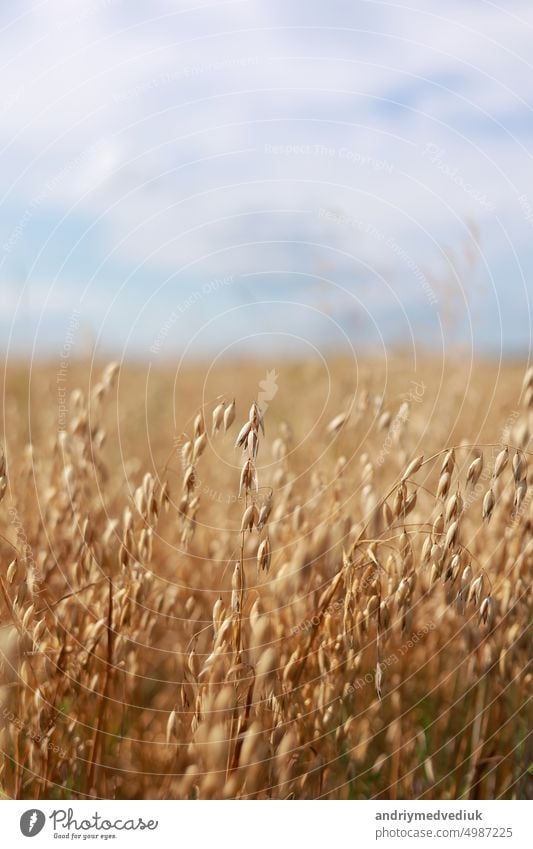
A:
(199, 178)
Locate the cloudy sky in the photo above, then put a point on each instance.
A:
(181, 176)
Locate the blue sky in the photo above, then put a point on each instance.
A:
(265, 174)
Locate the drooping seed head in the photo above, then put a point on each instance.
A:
(264, 555)
(451, 534)
(337, 423)
(501, 462)
(520, 493)
(444, 485)
(519, 467)
(488, 505)
(242, 438)
(264, 513)
(448, 462)
(199, 424)
(217, 419)
(413, 467)
(229, 416)
(249, 518)
(476, 590)
(474, 471)
(486, 611)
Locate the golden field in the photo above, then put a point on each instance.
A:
(337, 607)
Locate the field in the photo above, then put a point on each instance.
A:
(266, 580)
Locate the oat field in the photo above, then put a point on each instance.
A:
(266, 581)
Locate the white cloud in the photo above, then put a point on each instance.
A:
(153, 121)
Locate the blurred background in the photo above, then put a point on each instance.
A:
(199, 180)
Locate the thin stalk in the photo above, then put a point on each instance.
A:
(96, 744)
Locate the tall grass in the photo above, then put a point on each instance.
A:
(308, 596)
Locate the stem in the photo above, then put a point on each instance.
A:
(241, 601)
(96, 744)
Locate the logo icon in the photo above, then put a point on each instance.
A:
(32, 822)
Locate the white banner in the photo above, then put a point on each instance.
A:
(266, 825)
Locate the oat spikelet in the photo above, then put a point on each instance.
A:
(501, 462)
(217, 419)
(488, 505)
(413, 467)
(474, 471)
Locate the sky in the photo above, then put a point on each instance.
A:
(198, 179)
